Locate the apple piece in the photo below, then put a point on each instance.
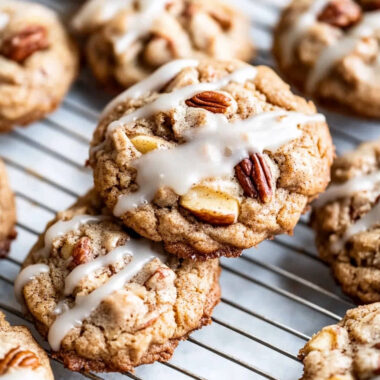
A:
(145, 144)
(211, 206)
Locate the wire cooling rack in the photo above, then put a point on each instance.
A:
(274, 297)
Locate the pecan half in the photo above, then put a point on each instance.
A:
(15, 358)
(82, 252)
(19, 46)
(212, 101)
(341, 13)
(255, 177)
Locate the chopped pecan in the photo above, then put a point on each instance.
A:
(255, 177)
(19, 46)
(82, 252)
(16, 358)
(341, 13)
(212, 101)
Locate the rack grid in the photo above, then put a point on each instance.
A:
(274, 297)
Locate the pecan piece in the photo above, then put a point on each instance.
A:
(16, 358)
(254, 176)
(82, 252)
(212, 101)
(18, 47)
(341, 13)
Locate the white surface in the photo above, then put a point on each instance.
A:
(281, 281)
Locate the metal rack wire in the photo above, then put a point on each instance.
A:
(274, 297)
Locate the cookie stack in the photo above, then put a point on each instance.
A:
(199, 160)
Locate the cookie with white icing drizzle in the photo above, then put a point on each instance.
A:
(7, 212)
(20, 355)
(347, 222)
(330, 49)
(128, 39)
(349, 350)
(38, 62)
(210, 157)
(109, 302)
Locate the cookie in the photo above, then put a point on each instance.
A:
(330, 50)
(7, 212)
(210, 157)
(20, 355)
(127, 40)
(109, 302)
(347, 223)
(38, 62)
(349, 350)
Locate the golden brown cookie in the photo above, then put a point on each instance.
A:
(330, 49)
(127, 41)
(108, 302)
(346, 220)
(7, 212)
(38, 62)
(210, 157)
(349, 350)
(20, 355)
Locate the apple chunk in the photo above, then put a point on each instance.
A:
(211, 206)
(145, 144)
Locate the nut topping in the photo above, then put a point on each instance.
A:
(82, 252)
(16, 358)
(23, 44)
(341, 13)
(212, 101)
(255, 176)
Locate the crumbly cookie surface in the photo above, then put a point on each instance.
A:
(222, 215)
(20, 356)
(138, 323)
(356, 263)
(126, 42)
(38, 62)
(330, 49)
(349, 350)
(7, 212)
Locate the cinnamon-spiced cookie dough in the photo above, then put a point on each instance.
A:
(7, 213)
(20, 356)
(127, 40)
(210, 157)
(38, 62)
(349, 350)
(347, 222)
(109, 302)
(330, 49)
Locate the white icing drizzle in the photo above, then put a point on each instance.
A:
(153, 83)
(348, 188)
(84, 270)
(26, 275)
(142, 252)
(4, 20)
(211, 151)
(61, 307)
(101, 10)
(171, 100)
(302, 25)
(140, 24)
(343, 47)
(63, 227)
(368, 220)
(136, 25)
